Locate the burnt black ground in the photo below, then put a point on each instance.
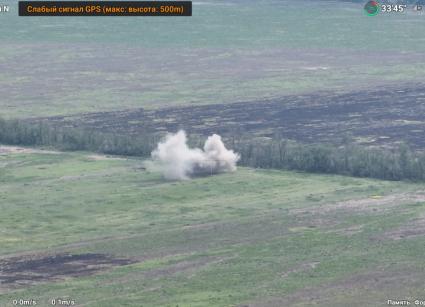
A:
(385, 116)
(29, 269)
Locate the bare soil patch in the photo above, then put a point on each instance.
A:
(412, 229)
(367, 204)
(381, 280)
(6, 149)
(16, 149)
(103, 157)
(183, 266)
(303, 267)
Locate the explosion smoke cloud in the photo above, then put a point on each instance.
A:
(177, 161)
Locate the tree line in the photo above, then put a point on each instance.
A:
(354, 160)
(20, 132)
(391, 164)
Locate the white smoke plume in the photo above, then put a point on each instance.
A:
(177, 161)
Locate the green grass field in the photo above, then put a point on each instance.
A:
(250, 238)
(227, 51)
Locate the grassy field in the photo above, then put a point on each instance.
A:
(250, 238)
(227, 51)
(104, 231)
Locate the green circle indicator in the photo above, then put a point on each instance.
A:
(371, 8)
